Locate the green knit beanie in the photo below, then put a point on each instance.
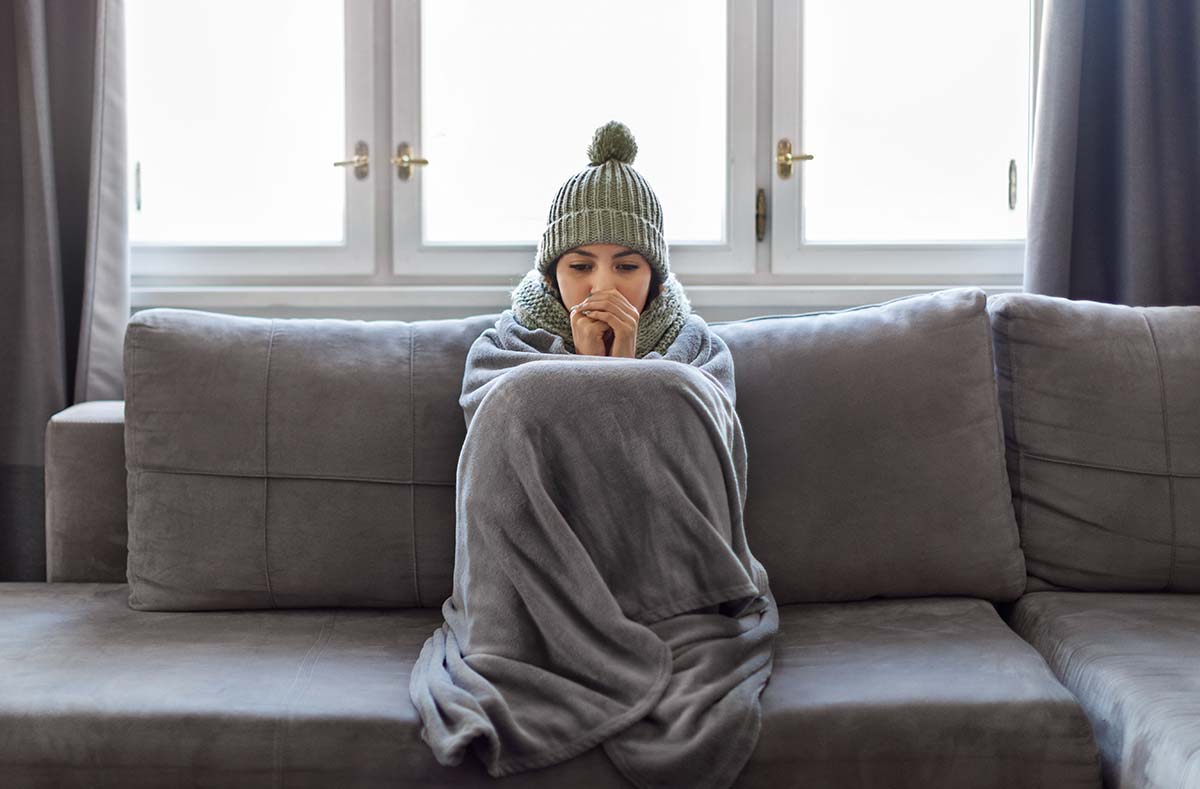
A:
(607, 202)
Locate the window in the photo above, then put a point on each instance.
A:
(916, 110)
(916, 115)
(504, 98)
(233, 129)
(508, 107)
(236, 111)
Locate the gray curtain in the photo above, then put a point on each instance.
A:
(64, 263)
(1115, 193)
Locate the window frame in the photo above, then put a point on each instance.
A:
(871, 263)
(355, 255)
(735, 256)
(374, 280)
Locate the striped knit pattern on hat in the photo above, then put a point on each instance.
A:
(608, 202)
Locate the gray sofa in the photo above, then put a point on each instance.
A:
(981, 520)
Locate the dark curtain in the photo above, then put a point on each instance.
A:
(64, 270)
(1115, 198)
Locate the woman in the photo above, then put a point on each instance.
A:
(602, 278)
(604, 592)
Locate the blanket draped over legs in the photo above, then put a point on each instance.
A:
(603, 591)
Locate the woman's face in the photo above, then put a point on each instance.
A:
(592, 267)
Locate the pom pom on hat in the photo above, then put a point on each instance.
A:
(608, 202)
(613, 140)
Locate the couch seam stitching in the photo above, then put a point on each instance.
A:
(132, 470)
(1162, 397)
(994, 393)
(1012, 377)
(130, 398)
(266, 464)
(317, 477)
(1105, 466)
(412, 464)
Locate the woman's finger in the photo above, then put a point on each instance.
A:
(589, 321)
(608, 317)
(622, 304)
(602, 305)
(625, 316)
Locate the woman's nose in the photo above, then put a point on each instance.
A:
(603, 280)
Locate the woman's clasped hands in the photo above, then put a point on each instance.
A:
(605, 324)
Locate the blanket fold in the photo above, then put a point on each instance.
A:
(603, 590)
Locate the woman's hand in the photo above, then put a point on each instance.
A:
(610, 326)
(591, 335)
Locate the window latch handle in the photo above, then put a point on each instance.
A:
(784, 158)
(360, 162)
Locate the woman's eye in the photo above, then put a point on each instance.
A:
(624, 266)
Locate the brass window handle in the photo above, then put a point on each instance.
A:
(404, 161)
(360, 162)
(784, 158)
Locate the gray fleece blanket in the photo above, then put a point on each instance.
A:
(604, 592)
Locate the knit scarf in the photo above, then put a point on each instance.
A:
(536, 306)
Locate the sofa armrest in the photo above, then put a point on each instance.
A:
(85, 493)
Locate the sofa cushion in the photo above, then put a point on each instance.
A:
(876, 451)
(1101, 408)
(1133, 661)
(923, 693)
(85, 493)
(291, 462)
(932, 692)
(95, 694)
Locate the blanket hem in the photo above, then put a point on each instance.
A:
(598, 734)
(745, 741)
(748, 736)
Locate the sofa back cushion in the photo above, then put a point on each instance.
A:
(291, 462)
(876, 451)
(1101, 408)
(312, 462)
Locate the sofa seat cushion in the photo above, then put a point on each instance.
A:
(925, 692)
(929, 693)
(1133, 661)
(96, 694)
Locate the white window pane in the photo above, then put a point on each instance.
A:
(509, 108)
(913, 112)
(236, 114)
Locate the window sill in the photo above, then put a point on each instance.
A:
(420, 302)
